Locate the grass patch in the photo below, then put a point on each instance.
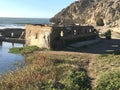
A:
(24, 50)
(103, 55)
(107, 63)
(109, 81)
(77, 80)
(47, 72)
(107, 72)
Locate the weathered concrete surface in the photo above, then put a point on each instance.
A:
(103, 46)
(55, 37)
(85, 43)
(38, 35)
(12, 33)
(103, 29)
(14, 40)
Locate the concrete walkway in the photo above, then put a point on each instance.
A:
(98, 46)
(84, 43)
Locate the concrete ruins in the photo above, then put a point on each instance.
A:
(56, 37)
(12, 33)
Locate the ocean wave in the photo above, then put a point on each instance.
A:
(20, 22)
(4, 26)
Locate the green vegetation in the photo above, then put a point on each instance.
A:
(77, 80)
(108, 72)
(108, 34)
(103, 55)
(60, 71)
(24, 50)
(109, 81)
(48, 72)
(107, 63)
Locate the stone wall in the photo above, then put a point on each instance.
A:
(55, 37)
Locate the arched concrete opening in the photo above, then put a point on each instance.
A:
(100, 22)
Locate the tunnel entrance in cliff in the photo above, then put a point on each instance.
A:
(100, 22)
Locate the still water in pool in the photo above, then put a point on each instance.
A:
(9, 61)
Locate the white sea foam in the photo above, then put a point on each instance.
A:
(4, 26)
(20, 22)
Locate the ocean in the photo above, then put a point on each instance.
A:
(20, 22)
(8, 60)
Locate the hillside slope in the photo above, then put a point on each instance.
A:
(89, 11)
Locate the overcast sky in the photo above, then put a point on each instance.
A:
(32, 8)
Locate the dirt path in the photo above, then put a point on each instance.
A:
(104, 47)
(92, 51)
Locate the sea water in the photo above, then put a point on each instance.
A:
(8, 60)
(20, 22)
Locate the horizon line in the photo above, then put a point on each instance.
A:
(27, 17)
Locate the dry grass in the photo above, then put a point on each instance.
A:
(104, 65)
(44, 69)
(41, 70)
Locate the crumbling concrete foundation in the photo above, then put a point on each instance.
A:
(56, 37)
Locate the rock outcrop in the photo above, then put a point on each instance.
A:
(89, 12)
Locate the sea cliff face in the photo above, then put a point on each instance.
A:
(89, 11)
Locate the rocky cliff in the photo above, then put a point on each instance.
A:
(90, 12)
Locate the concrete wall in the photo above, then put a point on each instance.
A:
(12, 33)
(74, 33)
(2, 32)
(38, 35)
(56, 36)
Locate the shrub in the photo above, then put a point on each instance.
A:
(77, 80)
(108, 34)
(109, 81)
